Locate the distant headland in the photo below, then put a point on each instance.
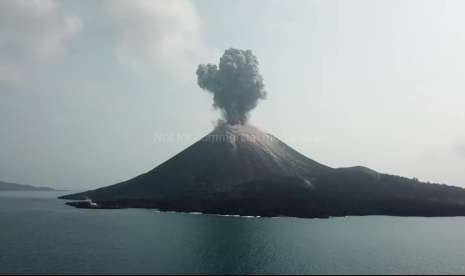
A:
(6, 186)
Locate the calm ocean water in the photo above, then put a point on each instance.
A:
(39, 234)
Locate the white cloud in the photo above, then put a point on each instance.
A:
(32, 32)
(145, 35)
(163, 33)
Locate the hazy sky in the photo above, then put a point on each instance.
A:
(91, 91)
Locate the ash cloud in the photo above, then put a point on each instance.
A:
(236, 84)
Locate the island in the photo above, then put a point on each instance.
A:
(240, 170)
(6, 186)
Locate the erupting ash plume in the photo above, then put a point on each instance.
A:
(236, 85)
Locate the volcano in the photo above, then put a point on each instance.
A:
(240, 170)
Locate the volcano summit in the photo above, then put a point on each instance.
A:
(239, 170)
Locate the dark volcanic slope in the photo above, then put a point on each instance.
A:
(5, 186)
(221, 162)
(241, 170)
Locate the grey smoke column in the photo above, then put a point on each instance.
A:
(236, 85)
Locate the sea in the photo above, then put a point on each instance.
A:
(39, 234)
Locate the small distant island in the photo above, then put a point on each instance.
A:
(6, 186)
